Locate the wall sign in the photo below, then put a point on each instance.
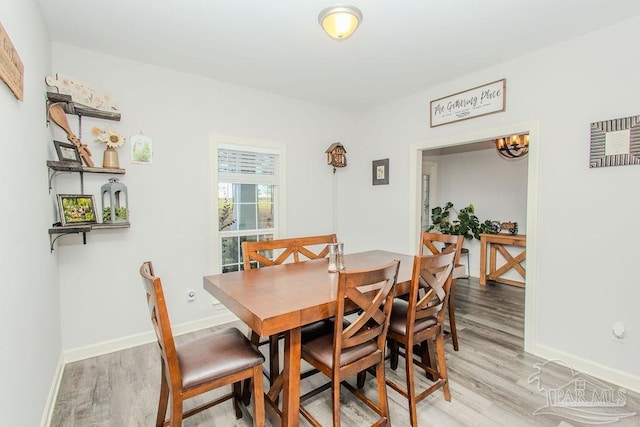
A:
(615, 142)
(478, 101)
(11, 68)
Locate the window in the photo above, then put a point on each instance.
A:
(248, 194)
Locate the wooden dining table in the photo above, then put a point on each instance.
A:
(283, 298)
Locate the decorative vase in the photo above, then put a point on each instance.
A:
(110, 158)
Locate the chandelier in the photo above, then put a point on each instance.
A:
(513, 146)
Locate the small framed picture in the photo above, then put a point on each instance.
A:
(67, 152)
(141, 149)
(381, 172)
(77, 209)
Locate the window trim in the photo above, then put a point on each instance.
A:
(247, 144)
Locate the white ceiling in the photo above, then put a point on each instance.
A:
(402, 46)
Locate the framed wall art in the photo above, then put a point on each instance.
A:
(380, 171)
(77, 209)
(615, 142)
(141, 149)
(475, 102)
(67, 152)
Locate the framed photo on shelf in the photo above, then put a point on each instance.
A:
(67, 152)
(380, 171)
(77, 209)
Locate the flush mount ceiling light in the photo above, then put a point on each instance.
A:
(340, 22)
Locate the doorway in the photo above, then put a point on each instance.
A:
(457, 142)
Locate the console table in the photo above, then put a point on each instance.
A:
(497, 243)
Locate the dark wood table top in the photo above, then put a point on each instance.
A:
(279, 298)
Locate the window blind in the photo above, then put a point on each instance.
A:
(247, 167)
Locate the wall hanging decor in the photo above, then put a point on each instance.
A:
(82, 93)
(380, 172)
(11, 68)
(141, 149)
(478, 101)
(615, 142)
(336, 156)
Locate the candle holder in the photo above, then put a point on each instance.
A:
(336, 257)
(115, 202)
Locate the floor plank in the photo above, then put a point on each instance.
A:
(488, 380)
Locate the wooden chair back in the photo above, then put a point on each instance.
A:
(434, 243)
(372, 322)
(263, 253)
(430, 285)
(161, 323)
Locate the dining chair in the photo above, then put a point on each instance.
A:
(419, 319)
(264, 253)
(434, 243)
(354, 347)
(258, 254)
(200, 365)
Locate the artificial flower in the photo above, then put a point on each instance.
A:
(108, 136)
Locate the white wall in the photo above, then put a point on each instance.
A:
(171, 200)
(496, 187)
(587, 239)
(29, 293)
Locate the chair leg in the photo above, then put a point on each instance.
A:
(175, 419)
(428, 357)
(274, 359)
(258, 398)
(382, 391)
(411, 386)
(394, 354)
(362, 377)
(237, 395)
(164, 399)
(246, 388)
(452, 316)
(442, 367)
(335, 406)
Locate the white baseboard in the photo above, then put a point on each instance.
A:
(53, 394)
(105, 347)
(606, 373)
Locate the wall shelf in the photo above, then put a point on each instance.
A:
(71, 107)
(59, 231)
(56, 167)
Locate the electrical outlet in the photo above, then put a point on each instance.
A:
(191, 295)
(618, 331)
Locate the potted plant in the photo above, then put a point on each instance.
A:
(466, 222)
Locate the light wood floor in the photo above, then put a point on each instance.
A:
(488, 377)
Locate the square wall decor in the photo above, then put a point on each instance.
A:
(380, 171)
(615, 142)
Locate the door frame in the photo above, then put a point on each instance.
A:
(415, 185)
